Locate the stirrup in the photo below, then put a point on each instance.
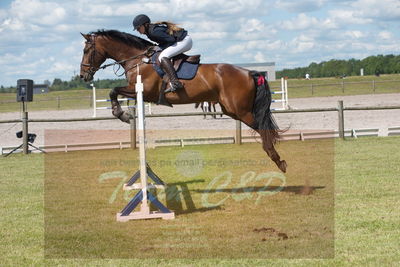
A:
(173, 88)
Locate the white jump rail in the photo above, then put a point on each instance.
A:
(284, 96)
(95, 101)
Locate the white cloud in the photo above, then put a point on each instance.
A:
(354, 34)
(345, 17)
(301, 44)
(304, 22)
(219, 7)
(385, 35)
(382, 9)
(260, 57)
(300, 6)
(37, 12)
(253, 47)
(254, 29)
(234, 31)
(208, 35)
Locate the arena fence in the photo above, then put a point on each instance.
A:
(237, 139)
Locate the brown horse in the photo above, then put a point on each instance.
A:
(242, 94)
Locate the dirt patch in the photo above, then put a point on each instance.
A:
(270, 233)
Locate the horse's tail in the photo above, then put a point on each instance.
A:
(264, 121)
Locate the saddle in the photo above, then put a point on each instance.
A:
(179, 59)
(185, 66)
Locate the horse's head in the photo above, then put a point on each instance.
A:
(92, 58)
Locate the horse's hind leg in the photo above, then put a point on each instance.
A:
(269, 147)
(267, 142)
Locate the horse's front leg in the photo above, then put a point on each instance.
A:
(116, 107)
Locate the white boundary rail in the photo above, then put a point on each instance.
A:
(344, 133)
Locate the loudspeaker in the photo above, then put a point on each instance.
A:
(24, 90)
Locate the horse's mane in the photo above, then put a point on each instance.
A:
(124, 37)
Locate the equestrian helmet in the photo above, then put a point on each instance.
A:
(139, 20)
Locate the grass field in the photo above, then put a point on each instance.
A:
(361, 229)
(81, 99)
(71, 99)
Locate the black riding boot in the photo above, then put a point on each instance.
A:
(166, 65)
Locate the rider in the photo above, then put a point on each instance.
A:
(172, 39)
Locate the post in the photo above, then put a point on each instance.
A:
(58, 102)
(341, 119)
(25, 130)
(343, 86)
(373, 85)
(286, 96)
(142, 143)
(133, 127)
(143, 196)
(238, 138)
(283, 94)
(94, 100)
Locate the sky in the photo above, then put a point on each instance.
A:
(40, 39)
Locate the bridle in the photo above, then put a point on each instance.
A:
(92, 69)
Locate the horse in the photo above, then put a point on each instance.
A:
(206, 107)
(242, 94)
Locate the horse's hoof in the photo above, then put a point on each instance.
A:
(125, 117)
(117, 112)
(282, 166)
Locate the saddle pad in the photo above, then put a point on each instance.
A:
(186, 70)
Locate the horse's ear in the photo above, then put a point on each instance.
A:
(86, 36)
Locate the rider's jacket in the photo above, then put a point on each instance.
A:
(159, 33)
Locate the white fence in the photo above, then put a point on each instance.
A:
(127, 100)
(284, 99)
(300, 135)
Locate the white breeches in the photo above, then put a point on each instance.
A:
(177, 48)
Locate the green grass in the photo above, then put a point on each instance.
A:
(57, 100)
(81, 99)
(366, 208)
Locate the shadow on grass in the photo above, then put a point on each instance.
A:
(179, 198)
(298, 190)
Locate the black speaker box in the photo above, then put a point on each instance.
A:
(24, 90)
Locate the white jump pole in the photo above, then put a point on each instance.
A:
(286, 96)
(143, 196)
(94, 100)
(283, 92)
(142, 145)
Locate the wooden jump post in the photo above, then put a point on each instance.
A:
(143, 196)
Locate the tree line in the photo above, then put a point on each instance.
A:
(372, 65)
(76, 83)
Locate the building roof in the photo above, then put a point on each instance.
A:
(261, 64)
